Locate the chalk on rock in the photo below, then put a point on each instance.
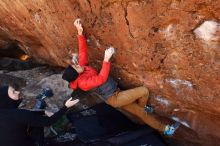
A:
(207, 32)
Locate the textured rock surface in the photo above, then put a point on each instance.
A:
(170, 46)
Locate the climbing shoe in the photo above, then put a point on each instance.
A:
(148, 108)
(170, 129)
(45, 92)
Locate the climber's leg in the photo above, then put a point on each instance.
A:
(149, 119)
(128, 96)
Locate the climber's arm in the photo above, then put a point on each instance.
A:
(83, 55)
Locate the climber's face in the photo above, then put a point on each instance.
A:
(78, 68)
(13, 94)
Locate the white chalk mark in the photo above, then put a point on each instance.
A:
(176, 110)
(182, 122)
(177, 82)
(37, 17)
(207, 30)
(162, 100)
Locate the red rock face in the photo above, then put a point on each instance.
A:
(170, 46)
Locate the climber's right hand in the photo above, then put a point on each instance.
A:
(108, 53)
(78, 25)
(75, 58)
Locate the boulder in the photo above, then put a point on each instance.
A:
(171, 46)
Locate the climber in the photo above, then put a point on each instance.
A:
(15, 123)
(83, 77)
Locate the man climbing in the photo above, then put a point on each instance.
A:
(81, 76)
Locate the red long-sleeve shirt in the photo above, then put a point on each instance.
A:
(89, 79)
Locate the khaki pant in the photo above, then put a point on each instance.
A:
(133, 101)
